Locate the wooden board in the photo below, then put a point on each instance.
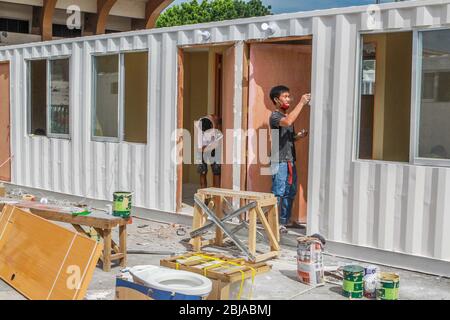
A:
(42, 260)
(96, 219)
(249, 195)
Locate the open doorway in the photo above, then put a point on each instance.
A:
(5, 152)
(285, 62)
(206, 81)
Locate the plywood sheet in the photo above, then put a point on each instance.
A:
(271, 65)
(42, 260)
(5, 164)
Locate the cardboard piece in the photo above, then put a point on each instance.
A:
(42, 260)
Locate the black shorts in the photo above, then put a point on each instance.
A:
(203, 168)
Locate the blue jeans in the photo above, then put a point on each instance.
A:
(284, 191)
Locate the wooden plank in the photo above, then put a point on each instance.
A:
(42, 260)
(274, 222)
(249, 195)
(55, 213)
(267, 256)
(123, 244)
(107, 250)
(180, 102)
(252, 231)
(267, 202)
(117, 256)
(197, 223)
(218, 205)
(274, 245)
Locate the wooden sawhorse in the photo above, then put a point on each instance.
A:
(253, 203)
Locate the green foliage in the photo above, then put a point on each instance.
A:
(213, 10)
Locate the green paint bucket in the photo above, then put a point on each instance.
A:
(122, 204)
(353, 285)
(388, 286)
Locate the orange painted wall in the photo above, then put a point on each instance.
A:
(5, 170)
(226, 180)
(271, 65)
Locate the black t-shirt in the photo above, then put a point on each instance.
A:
(286, 150)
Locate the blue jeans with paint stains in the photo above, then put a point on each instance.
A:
(284, 191)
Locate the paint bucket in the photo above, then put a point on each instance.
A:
(168, 284)
(310, 268)
(122, 204)
(371, 269)
(388, 286)
(370, 285)
(353, 286)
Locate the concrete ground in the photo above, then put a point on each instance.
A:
(280, 283)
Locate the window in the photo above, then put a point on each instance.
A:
(38, 97)
(120, 97)
(61, 30)
(385, 96)
(59, 97)
(434, 105)
(14, 25)
(106, 86)
(49, 86)
(136, 66)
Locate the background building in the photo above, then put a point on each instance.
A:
(23, 21)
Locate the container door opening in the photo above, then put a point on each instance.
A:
(280, 63)
(207, 89)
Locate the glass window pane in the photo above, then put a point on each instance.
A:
(106, 93)
(385, 101)
(136, 70)
(59, 96)
(38, 97)
(434, 128)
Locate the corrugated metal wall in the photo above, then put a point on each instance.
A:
(391, 206)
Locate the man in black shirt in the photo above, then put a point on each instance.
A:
(284, 173)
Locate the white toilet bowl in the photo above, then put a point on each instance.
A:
(174, 281)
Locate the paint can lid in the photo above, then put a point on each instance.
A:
(353, 269)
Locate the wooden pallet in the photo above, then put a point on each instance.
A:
(223, 271)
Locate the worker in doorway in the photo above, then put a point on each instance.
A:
(284, 173)
(209, 139)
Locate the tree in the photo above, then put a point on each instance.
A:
(207, 11)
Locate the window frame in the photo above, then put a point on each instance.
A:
(94, 100)
(416, 92)
(48, 134)
(121, 96)
(358, 93)
(415, 159)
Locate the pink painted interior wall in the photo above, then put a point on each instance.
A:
(271, 65)
(228, 83)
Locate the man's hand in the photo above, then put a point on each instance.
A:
(303, 133)
(306, 98)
